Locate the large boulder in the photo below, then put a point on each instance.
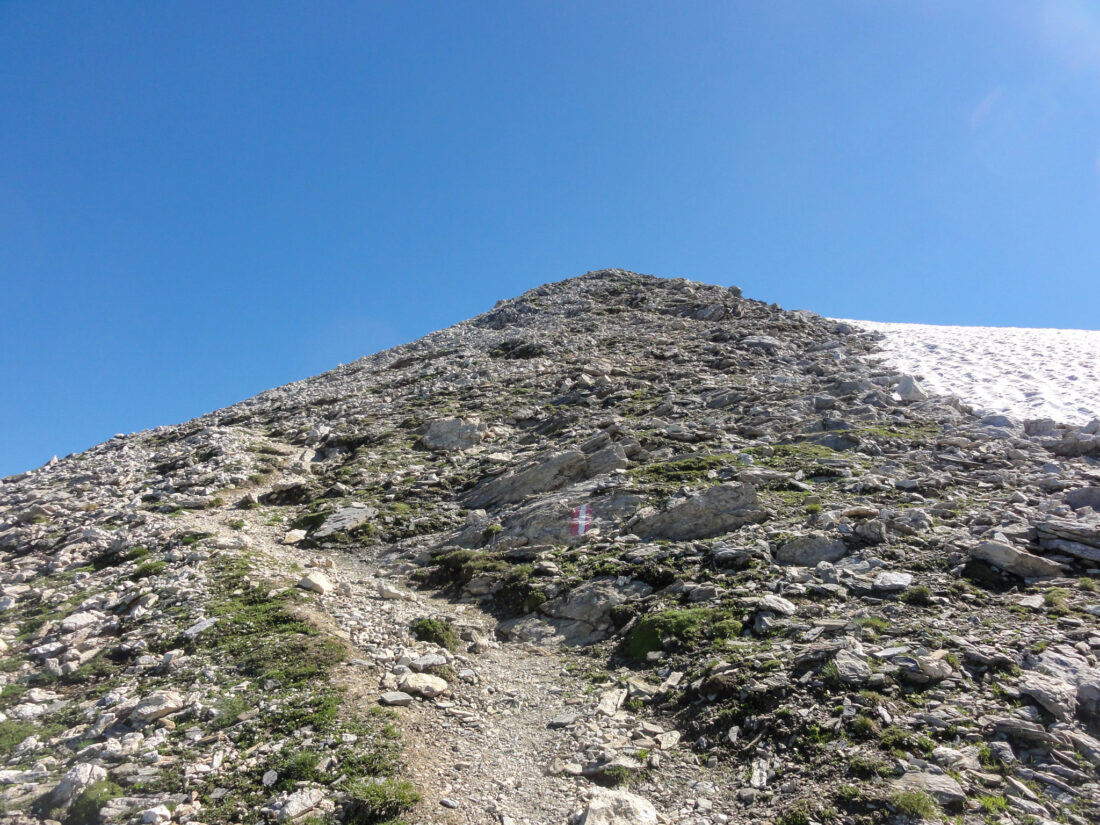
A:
(616, 807)
(580, 617)
(550, 518)
(719, 509)
(1017, 562)
(811, 549)
(548, 472)
(157, 706)
(1066, 664)
(450, 434)
(1057, 696)
(78, 779)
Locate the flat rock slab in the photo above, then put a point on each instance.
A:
(942, 787)
(1016, 562)
(721, 509)
(890, 581)
(395, 699)
(344, 520)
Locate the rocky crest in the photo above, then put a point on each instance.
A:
(621, 550)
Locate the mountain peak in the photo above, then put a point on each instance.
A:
(612, 529)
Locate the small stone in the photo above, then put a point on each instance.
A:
(562, 720)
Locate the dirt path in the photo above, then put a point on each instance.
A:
(481, 753)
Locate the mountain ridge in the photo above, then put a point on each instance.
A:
(619, 548)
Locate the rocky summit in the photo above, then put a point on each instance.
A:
(622, 550)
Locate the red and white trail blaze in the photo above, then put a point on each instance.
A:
(581, 520)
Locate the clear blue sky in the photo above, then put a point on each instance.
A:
(200, 200)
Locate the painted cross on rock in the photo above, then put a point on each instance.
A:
(580, 520)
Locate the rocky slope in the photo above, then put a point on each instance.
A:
(622, 549)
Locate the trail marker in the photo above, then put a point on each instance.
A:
(580, 521)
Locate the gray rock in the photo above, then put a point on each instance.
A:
(1068, 665)
(1057, 696)
(1084, 497)
(776, 604)
(942, 787)
(581, 616)
(157, 706)
(316, 581)
(908, 389)
(344, 520)
(891, 581)
(450, 434)
(1016, 562)
(810, 549)
(720, 509)
(617, 807)
(423, 684)
(852, 669)
(395, 698)
(299, 804)
(76, 780)
(611, 457)
(547, 473)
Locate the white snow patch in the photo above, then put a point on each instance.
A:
(1020, 372)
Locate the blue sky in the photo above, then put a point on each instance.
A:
(199, 201)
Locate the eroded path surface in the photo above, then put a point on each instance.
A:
(509, 738)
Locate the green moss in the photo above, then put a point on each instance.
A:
(12, 732)
(112, 558)
(863, 727)
(1056, 597)
(993, 804)
(799, 815)
(95, 669)
(682, 470)
(374, 801)
(686, 626)
(899, 741)
(147, 569)
(917, 804)
(437, 631)
(876, 623)
(919, 595)
(866, 767)
(85, 808)
(264, 636)
(310, 521)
